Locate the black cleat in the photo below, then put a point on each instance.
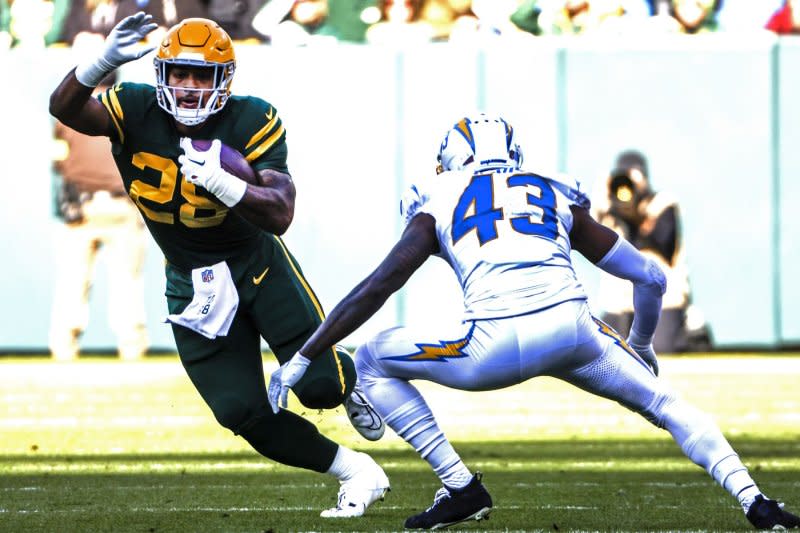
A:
(769, 514)
(451, 506)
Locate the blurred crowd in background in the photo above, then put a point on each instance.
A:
(310, 22)
(97, 214)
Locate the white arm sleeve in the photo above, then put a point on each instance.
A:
(649, 284)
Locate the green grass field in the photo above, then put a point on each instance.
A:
(101, 445)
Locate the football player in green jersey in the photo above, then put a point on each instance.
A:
(230, 278)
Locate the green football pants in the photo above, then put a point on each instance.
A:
(276, 303)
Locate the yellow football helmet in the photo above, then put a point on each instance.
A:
(195, 42)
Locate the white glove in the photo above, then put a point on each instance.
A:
(121, 46)
(284, 379)
(644, 347)
(204, 169)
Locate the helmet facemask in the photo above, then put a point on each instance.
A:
(480, 143)
(214, 97)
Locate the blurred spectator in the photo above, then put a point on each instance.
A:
(526, 17)
(97, 215)
(31, 23)
(686, 16)
(570, 17)
(348, 20)
(303, 22)
(400, 23)
(5, 26)
(494, 16)
(651, 221)
(441, 16)
(236, 17)
(786, 19)
(452, 20)
(291, 22)
(745, 15)
(91, 20)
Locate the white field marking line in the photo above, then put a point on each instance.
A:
(284, 509)
(299, 486)
(677, 484)
(82, 373)
(100, 422)
(171, 487)
(113, 373)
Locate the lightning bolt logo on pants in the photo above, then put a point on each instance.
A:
(441, 351)
(607, 330)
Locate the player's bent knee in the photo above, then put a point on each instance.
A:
(367, 365)
(322, 393)
(231, 411)
(657, 410)
(348, 370)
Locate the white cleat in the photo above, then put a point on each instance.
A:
(363, 416)
(367, 486)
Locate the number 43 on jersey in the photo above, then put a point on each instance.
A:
(476, 210)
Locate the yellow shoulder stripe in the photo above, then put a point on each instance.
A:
(266, 145)
(112, 95)
(260, 133)
(104, 100)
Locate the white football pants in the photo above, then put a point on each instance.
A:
(112, 226)
(563, 341)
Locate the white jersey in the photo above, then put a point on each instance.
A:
(505, 233)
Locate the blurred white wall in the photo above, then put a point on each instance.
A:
(714, 114)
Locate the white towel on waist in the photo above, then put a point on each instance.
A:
(211, 311)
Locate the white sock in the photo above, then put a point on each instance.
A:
(404, 410)
(732, 475)
(346, 463)
(414, 422)
(703, 443)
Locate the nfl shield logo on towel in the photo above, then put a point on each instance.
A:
(207, 275)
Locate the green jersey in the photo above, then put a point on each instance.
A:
(190, 225)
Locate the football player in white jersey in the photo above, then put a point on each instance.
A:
(507, 233)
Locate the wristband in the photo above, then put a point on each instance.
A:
(636, 340)
(230, 190)
(90, 74)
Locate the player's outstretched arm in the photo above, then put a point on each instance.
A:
(603, 247)
(417, 243)
(71, 102)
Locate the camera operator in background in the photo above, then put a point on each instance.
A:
(650, 220)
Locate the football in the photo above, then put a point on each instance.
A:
(231, 161)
